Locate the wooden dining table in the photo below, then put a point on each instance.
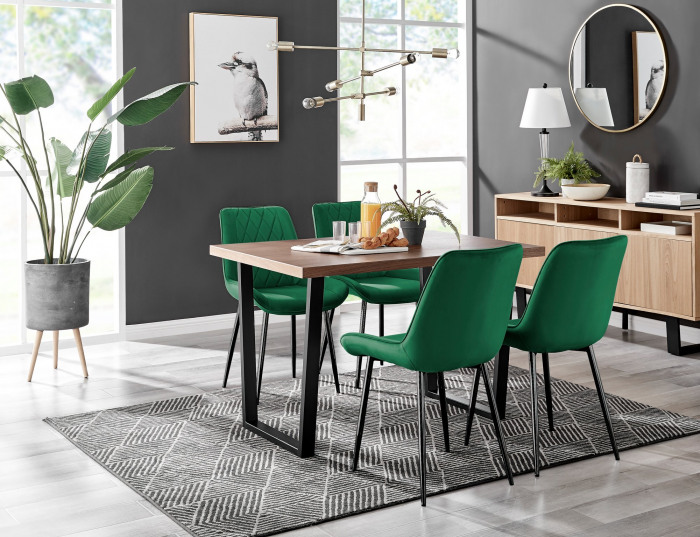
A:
(277, 256)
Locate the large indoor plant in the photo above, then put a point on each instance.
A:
(573, 168)
(68, 189)
(411, 215)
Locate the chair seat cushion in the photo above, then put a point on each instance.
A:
(387, 348)
(382, 289)
(291, 299)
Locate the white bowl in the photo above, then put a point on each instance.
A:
(585, 191)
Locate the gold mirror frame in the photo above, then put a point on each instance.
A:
(663, 46)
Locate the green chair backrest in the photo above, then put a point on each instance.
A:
(326, 213)
(463, 312)
(256, 224)
(571, 301)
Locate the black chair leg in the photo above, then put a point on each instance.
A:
(548, 390)
(234, 336)
(325, 341)
(472, 404)
(331, 349)
(443, 410)
(601, 397)
(263, 342)
(535, 418)
(363, 319)
(294, 346)
(497, 424)
(363, 412)
(421, 434)
(381, 325)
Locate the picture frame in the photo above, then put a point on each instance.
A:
(236, 98)
(648, 72)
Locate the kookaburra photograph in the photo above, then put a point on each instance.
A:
(649, 72)
(236, 98)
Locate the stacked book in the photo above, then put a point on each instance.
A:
(670, 200)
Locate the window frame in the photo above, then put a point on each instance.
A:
(466, 202)
(119, 321)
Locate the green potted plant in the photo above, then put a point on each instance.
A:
(572, 169)
(73, 192)
(411, 216)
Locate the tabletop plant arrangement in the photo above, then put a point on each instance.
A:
(70, 188)
(411, 215)
(573, 168)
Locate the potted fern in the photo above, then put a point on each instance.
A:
(411, 216)
(73, 191)
(572, 169)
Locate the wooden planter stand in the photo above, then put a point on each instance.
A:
(660, 276)
(37, 343)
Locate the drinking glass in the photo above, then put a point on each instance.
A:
(354, 231)
(339, 230)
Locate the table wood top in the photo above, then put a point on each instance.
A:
(279, 257)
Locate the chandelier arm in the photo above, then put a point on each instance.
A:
(314, 47)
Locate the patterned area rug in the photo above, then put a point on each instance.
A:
(192, 459)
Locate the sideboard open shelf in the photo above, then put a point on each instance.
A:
(660, 275)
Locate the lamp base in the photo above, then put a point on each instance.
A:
(544, 191)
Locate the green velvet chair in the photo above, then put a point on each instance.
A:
(460, 322)
(381, 288)
(273, 293)
(569, 310)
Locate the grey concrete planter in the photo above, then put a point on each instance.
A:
(413, 231)
(57, 297)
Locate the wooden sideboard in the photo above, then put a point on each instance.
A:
(660, 276)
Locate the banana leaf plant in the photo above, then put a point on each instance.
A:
(113, 200)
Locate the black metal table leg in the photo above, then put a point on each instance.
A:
(521, 300)
(294, 346)
(500, 379)
(246, 311)
(249, 407)
(312, 356)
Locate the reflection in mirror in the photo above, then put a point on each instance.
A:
(617, 68)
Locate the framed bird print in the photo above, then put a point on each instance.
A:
(236, 96)
(649, 72)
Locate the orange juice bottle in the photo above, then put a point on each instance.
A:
(371, 211)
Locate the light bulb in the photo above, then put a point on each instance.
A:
(313, 102)
(272, 46)
(334, 85)
(453, 53)
(392, 91)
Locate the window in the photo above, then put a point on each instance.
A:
(73, 45)
(417, 140)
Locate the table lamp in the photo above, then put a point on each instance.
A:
(544, 109)
(595, 105)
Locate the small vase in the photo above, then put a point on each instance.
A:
(566, 182)
(413, 231)
(58, 295)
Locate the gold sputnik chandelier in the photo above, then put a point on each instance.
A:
(408, 57)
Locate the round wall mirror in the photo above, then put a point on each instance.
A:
(618, 68)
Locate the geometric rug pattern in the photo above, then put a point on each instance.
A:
(193, 460)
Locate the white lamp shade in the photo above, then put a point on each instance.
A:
(594, 103)
(545, 109)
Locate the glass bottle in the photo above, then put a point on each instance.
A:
(371, 211)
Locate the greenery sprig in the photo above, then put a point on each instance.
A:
(424, 204)
(571, 166)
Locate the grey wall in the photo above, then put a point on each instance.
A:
(169, 273)
(523, 44)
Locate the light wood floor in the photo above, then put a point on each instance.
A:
(49, 488)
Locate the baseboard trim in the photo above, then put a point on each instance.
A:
(137, 332)
(195, 325)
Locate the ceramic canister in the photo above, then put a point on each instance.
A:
(637, 179)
